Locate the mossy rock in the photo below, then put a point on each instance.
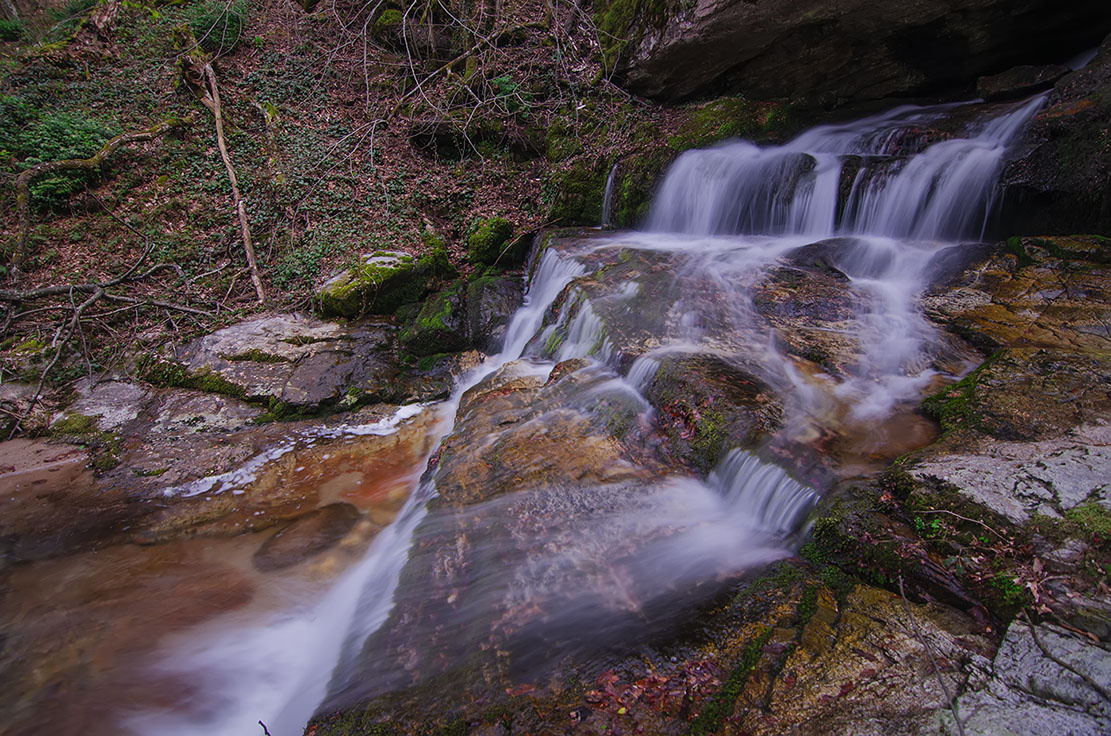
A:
(487, 245)
(441, 325)
(575, 195)
(387, 27)
(708, 406)
(379, 284)
(733, 117)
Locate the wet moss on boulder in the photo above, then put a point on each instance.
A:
(489, 243)
(575, 195)
(378, 284)
(468, 313)
(441, 325)
(708, 406)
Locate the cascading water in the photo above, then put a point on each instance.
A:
(878, 201)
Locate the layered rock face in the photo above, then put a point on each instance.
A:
(832, 52)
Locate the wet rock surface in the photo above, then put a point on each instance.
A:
(561, 482)
(306, 536)
(1043, 679)
(297, 361)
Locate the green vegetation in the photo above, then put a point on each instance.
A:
(53, 136)
(1091, 519)
(74, 424)
(218, 26)
(619, 23)
(732, 117)
(167, 374)
(575, 195)
(487, 242)
(955, 407)
(255, 355)
(105, 447)
(439, 326)
(721, 705)
(10, 30)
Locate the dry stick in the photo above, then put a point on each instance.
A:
(237, 200)
(23, 181)
(1062, 663)
(933, 662)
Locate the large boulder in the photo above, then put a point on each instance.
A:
(378, 284)
(290, 362)
(828, 52)
(467, 313)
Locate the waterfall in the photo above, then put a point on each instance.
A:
(914, 180)
(607, 198)
(895, 189)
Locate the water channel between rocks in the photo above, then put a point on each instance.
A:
(667, 408)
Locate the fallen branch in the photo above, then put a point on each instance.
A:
(93, 163)
(237, 199)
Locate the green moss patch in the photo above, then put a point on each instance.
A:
(719, 708)
(167, 374)
(441, 324)
(377, 284)
(489, 243)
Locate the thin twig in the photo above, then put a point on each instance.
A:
(933, 662)
(1062, 663)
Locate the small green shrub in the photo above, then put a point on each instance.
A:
(388, 25)
(55, 137)
(218, 27)
(10, 30)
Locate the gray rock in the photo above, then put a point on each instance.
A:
(297, 360)
(184, 412)
(113, 403)
(1019, 479)
(1060, 181)
(1028, 694)
(1019, 81)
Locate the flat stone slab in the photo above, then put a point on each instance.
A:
(1020, 479)
(1027, 693)
(298, 360)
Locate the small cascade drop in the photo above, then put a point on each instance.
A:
(607, 199)
(906, 174)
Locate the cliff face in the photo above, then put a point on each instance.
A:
(834, 52)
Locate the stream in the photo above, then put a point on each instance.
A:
(572, 518)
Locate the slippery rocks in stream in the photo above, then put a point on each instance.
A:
(1043, 680)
